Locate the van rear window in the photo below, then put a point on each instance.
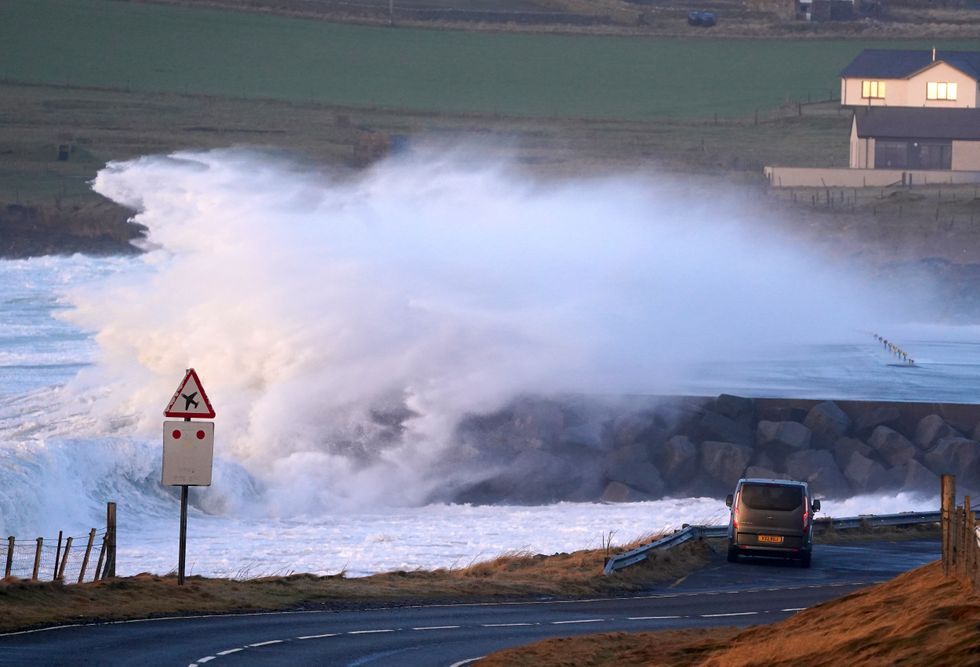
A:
(772, 497)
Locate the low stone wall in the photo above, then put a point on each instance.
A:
(806, 177)
(641, 448)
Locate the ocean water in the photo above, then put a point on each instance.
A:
(311, 303)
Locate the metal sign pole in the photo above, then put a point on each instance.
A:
(182, 558)
(183, 535)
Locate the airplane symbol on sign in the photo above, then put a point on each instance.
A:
(189, 400)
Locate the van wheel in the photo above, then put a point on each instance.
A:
(732, 555)
(805, 560)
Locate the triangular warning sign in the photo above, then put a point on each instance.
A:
(190, 400)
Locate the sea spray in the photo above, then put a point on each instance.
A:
(344, 324)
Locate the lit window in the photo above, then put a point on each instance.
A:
(873, 89)
(941, 90)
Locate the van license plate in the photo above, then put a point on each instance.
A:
(773, 539)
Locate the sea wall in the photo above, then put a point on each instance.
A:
(639, 448)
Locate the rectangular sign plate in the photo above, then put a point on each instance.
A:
(772, 539)
(188, 453)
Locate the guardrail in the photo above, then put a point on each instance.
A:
(687, 533)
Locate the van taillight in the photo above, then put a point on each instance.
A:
(735, 511)
(806, 515)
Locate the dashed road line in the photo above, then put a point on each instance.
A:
(652, 618)
(736, 613)
(794, 609)
(369, 632)
(229, 651)
(438, 627)
(506, 625)
(323, 636)
(268, 643)
(580, 620)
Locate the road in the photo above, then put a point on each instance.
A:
(443, 635)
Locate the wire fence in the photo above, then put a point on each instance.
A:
(961, 536)
(69, 559)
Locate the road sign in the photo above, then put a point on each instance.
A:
(190, 400)
(188, 453)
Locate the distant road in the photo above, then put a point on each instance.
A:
(443, 635)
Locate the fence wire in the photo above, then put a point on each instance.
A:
(65, 564)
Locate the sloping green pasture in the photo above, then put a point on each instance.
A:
(139, 47)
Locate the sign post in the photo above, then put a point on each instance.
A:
(188, 449)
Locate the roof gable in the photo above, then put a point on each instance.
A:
(903, 63)
(918, 123)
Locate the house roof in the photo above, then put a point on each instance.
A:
(918, 123)
(902, 63)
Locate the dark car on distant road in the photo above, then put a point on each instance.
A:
(771, 517)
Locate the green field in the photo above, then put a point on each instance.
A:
(139, 47)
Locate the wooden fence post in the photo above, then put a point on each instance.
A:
(98, 566)
(57, 559)
(88, 552)
(110, 533)
(37, 559)
(947, 485)
(10, 557)
(967, 542)
(64, 559)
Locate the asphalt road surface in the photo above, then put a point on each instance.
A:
(746, 593)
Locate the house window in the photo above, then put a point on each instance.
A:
(941, 90)
(913, 154)
(873, 89)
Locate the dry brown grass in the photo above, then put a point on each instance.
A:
(918, 618)
(25, 604)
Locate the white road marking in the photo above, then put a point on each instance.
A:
(368, 632)
(650, 618)
(271, 641)
(794, 609)
(229, 651)
(506, 625)
(467, 661)
(580, 620)
(207, 659)
(329, 634)
(438, 627)
(737, 613)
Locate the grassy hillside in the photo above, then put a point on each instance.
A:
(141, 47)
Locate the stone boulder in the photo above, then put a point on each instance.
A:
(882, 415)
(617, 492)
(762, 460)
(829, 482)
(801, 465)
(782, 414)
(638, 473)
(955, 455)
(828, 423)
(916, 477)
(932, 429)
(740, 409)
(783, 436)
(844, 447)
(633, 428)
(677, 460)
(892, 446)
(725, 461)
(818, 468)
(719, 428)
(865, 475)
(761, 472)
